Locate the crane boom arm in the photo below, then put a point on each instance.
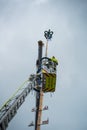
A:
(9, 109)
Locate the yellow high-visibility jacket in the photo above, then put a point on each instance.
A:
(54, 60)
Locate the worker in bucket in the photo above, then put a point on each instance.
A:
(54, 60)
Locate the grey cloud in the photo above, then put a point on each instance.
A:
(22, 24)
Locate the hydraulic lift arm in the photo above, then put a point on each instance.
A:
(9, 109)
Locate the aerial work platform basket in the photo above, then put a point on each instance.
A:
(48, 68)
(49, 83)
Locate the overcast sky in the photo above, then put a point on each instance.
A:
(22, 24)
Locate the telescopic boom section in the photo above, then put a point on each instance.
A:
(9, 109)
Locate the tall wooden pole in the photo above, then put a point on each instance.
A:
(39, 95)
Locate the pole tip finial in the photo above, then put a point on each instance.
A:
(48, 34)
